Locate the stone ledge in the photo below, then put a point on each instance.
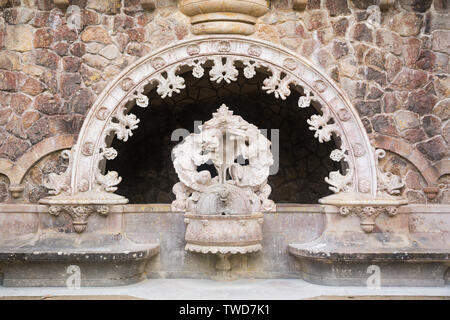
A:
(321, 262)
(312, 251)
(103, 260)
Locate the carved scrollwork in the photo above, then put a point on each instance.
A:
(368, 214)
(79, 214)
(387, 182)
(109, 181)
(320, 124)
(141, 98)
(60, 183)
(337, 181)
(305, 101)
(222, 60)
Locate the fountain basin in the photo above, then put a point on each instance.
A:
(223, 234)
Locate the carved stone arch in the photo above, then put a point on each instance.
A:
(162, 67)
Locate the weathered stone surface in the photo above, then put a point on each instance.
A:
(8, 81)
(61, 48)
(110, 52)
(412, 50)
(48, 104)
(19, 103)
(406, 120)
(337, 7)
(47, 58)
(446, 132)
(355, 89)
(315, 20)
(14, 127)
(340, 26)
(393, 66)
(9, 60)
(410, 79)
(69, 83)
(416, 197)
(18, 38)
(431, 125)
(406, 24)
(95, 61)
(384, 124)
(348, 67)
(43, 38)
(137, 34)
(122, 23)
(5, 114)
(441, 6)
(374, 93)
(41, 19)
(13, 148)
(414, 135)
(78, 49)
(71, 64)
(81, 101)
(369, 73)
(391, 102)
(434, 149)
(97, 34)
(362, 32)
(339, 49)
(50, 79)
(104, 6)
(18, 15)
(32, 86)
(441, 41)
(442, 109)
(90, 75)
(389, 40)
(416, 5)
(29, 117)
(363, 4)
(420, 102)
(368, 108)
(375, 58)
(38, 131)
(64, 33)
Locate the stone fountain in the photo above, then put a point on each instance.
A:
(224, 213)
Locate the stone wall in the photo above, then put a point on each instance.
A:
(393, 65)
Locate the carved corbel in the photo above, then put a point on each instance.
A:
(16, 190)
(79, 213)
(367, 214)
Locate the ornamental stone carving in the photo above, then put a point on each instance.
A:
(221, 141)
(79, 214)
(222, 58)
(223, 16)
(223, 213)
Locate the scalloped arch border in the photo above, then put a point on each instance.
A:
(122, 89)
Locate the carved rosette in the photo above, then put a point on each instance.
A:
(78, 213)
(368, 214)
